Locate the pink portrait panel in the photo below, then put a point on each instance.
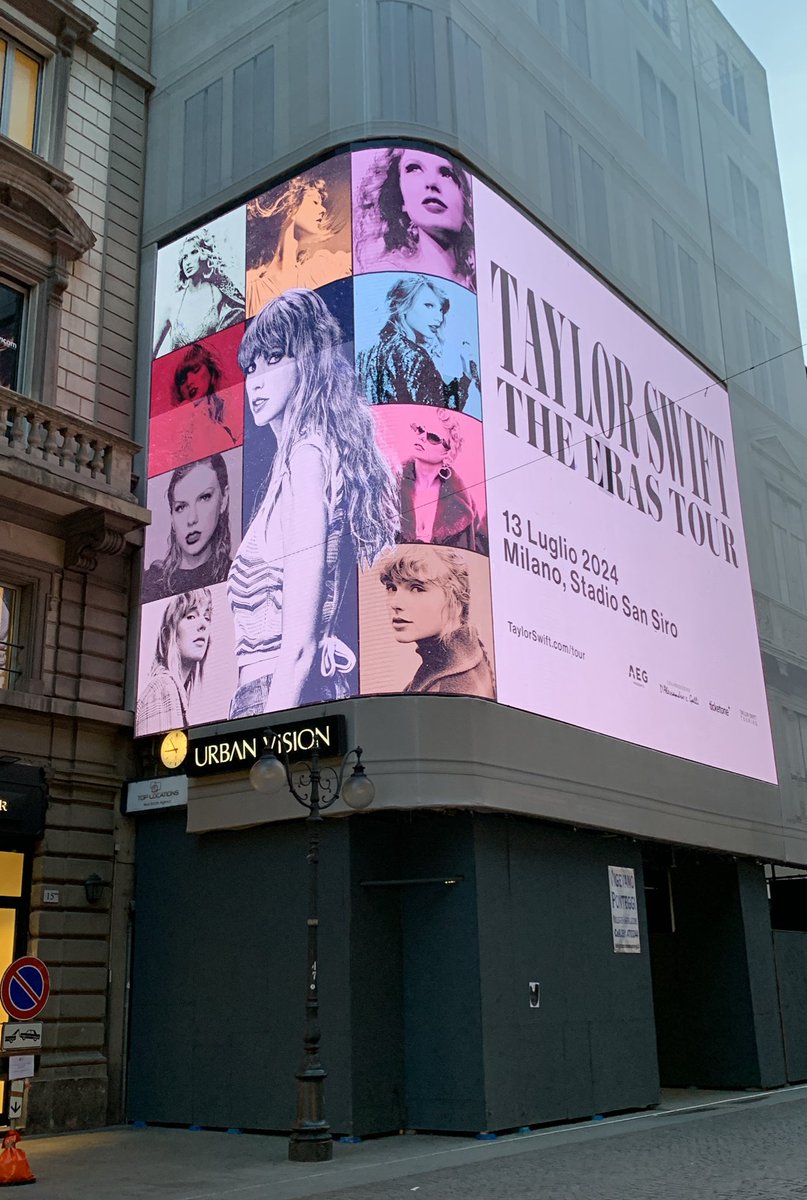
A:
(197, 402)
(405, 435)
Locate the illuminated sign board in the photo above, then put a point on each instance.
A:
(401, 441)
(238, 751)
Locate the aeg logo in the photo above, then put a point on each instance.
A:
(638, 674)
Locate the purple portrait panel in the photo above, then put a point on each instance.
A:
(413, 211)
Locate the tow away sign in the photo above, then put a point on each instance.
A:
(19, 1039)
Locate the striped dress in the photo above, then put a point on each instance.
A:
(255, 583)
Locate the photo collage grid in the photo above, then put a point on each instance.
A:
(315, 457)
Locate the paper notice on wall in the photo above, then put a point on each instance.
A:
(21, 1066)
(624, 910)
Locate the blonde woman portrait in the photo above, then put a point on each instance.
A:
(428, 600)
(436, 507)
(298, 234)
(203, 299)
(183, 642)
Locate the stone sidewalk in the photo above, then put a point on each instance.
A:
(697, 1129)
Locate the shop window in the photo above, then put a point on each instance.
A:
(658, 898)
(661, 123)
(12, 311)
(788, 903)
(15, 879)
(11, 865)
(789, 547)
(19, 92)
(11, 648)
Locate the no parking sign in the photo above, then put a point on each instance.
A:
(24, 988)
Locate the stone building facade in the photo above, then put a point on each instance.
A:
(72, 125)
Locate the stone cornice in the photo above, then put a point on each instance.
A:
(37, 206)
(61, 19)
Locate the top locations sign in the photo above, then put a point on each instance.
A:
(400, 441)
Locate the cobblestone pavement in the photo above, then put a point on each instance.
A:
(752, 1148)
(748, 1152)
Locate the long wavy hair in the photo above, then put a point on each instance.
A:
(326, 401)
(381, 214)
(167, 656)
(221, 555)
(213, 271)
(277, 210)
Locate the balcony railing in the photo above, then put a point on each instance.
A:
(65, 445)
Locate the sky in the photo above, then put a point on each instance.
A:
(776, 32)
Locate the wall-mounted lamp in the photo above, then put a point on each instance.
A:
(93, 888)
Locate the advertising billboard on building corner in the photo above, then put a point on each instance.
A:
(401, 441)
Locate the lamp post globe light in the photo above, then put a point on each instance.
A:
(315, 788)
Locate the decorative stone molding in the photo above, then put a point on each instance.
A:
(56, 17)
(69, 447)
(34, 204)
(88, 534)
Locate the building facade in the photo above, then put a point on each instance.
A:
(637, 135)
(72, 129)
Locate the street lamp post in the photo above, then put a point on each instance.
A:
(315, 788)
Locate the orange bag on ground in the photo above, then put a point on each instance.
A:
(13, 1162)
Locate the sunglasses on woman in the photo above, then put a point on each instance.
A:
(433, 439)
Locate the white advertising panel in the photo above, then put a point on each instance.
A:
(620, 585)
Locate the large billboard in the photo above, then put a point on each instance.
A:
(401, 441)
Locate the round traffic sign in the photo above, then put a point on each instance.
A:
(24, 988)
